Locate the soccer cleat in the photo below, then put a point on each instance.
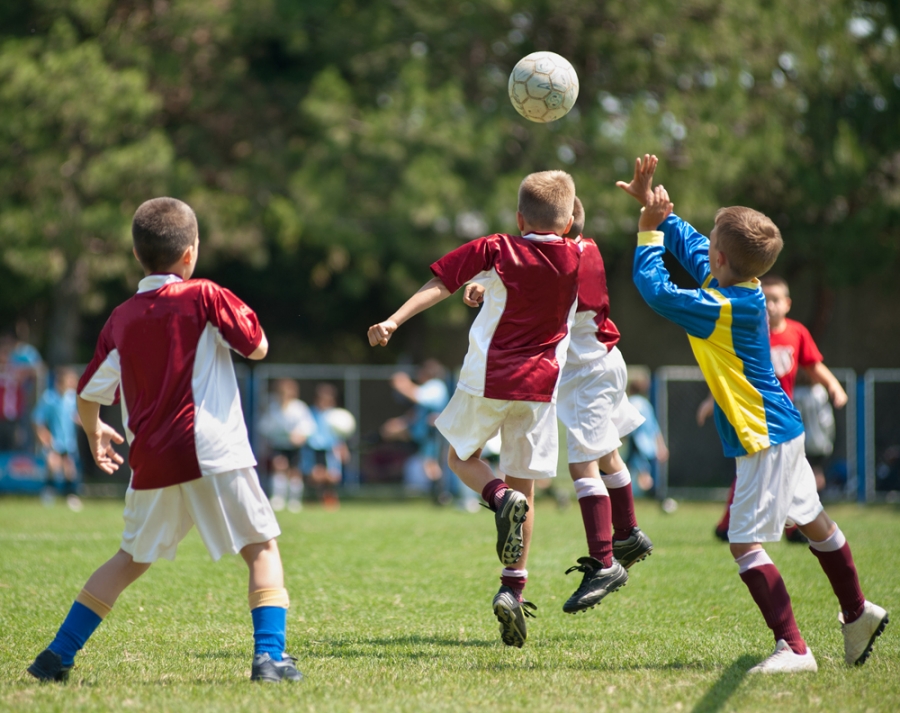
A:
(784, 660)
(48, 666)
(860, 635)
(509, 518)
(721, 534)
(596, 583)
(511, 612)
(793, 534)
(637, 547)
(267, 669)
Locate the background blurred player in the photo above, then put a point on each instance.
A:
(55, 420)
(325, 451)
(286, 425)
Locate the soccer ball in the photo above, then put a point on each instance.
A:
(543, 87)
(341, 422)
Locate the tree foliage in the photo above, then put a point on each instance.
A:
(332, 150)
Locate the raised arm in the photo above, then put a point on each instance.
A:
(427, 296)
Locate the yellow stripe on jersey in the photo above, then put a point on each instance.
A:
(724, 371)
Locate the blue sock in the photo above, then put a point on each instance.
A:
(77, 628)
(269, 626)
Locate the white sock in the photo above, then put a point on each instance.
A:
(754, 558)
(617, 480)
(587, 487)
(832, 543)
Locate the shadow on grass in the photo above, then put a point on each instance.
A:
(717, 696)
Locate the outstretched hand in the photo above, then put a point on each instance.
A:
(656, 210)
(105, 455)
(473, 295)
(641, 186)
(381, 333)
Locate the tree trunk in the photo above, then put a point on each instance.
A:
(65, 315)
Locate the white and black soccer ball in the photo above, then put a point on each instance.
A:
(543, 86)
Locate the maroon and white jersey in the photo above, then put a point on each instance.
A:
(517, 344)
(593, 333)
(165, 353)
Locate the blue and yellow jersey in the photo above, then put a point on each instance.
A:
(729, 333)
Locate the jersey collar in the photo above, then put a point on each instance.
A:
(542, 237)
(154, 282)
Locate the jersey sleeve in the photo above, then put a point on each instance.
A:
(809, 352)
(100, 380)
(238, 325)
(40, 415)
(456, 268)
(694, 310)
(688, 246)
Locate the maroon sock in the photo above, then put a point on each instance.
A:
(623, 520)
(517, 584)
(491, 490)
(771, 596)
(726, 518)
(841, 572)
(596, 512)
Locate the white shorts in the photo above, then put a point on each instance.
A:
(593, 407)
(527, 430)
(773, 485)
(230, 511)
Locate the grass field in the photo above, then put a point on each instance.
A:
(391, 612)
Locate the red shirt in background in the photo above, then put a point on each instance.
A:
(792, 348)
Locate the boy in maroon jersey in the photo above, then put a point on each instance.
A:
(593, 407)
(517, 345)
(165, 354)
(792, 347)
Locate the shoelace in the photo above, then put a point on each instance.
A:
(527, 608)
(585, 568)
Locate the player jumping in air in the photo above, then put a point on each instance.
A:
(165, 354)
(508, 380)
(726, 324)
(593, 407)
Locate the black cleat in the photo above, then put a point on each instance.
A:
(596, 583)
(793, 534)
(265, 668)
(637, 547)
(721, 534)
(48, 666)
(509, 518)
(511, 613)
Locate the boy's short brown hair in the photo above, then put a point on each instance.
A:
(775, 281)
(162, 229)
(577, 219)
(546, 200)
(749, 239)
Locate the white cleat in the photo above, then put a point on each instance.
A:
(860, 635)
(784, 660)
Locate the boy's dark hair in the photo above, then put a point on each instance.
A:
(771, 280)
(162, 229)
(578, 220)
(546, 199)
(749, 239)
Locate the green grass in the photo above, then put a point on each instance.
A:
(391, 612)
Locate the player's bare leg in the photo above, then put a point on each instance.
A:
(630, 544)
(268, 607)
(861, 621)
(91, 606)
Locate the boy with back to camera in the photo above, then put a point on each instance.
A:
(595, 412)
(517, 346)
(165, 353)
(791, 347)
(726, 324)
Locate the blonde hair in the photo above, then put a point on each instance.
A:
(547, 199)
(749, 239)
(577, 219)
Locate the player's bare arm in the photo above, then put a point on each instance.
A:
(641, 185)
(428, 295)
(473, 295)
(821, 374)
(260, 351)
(656, 210)
(101, 437)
